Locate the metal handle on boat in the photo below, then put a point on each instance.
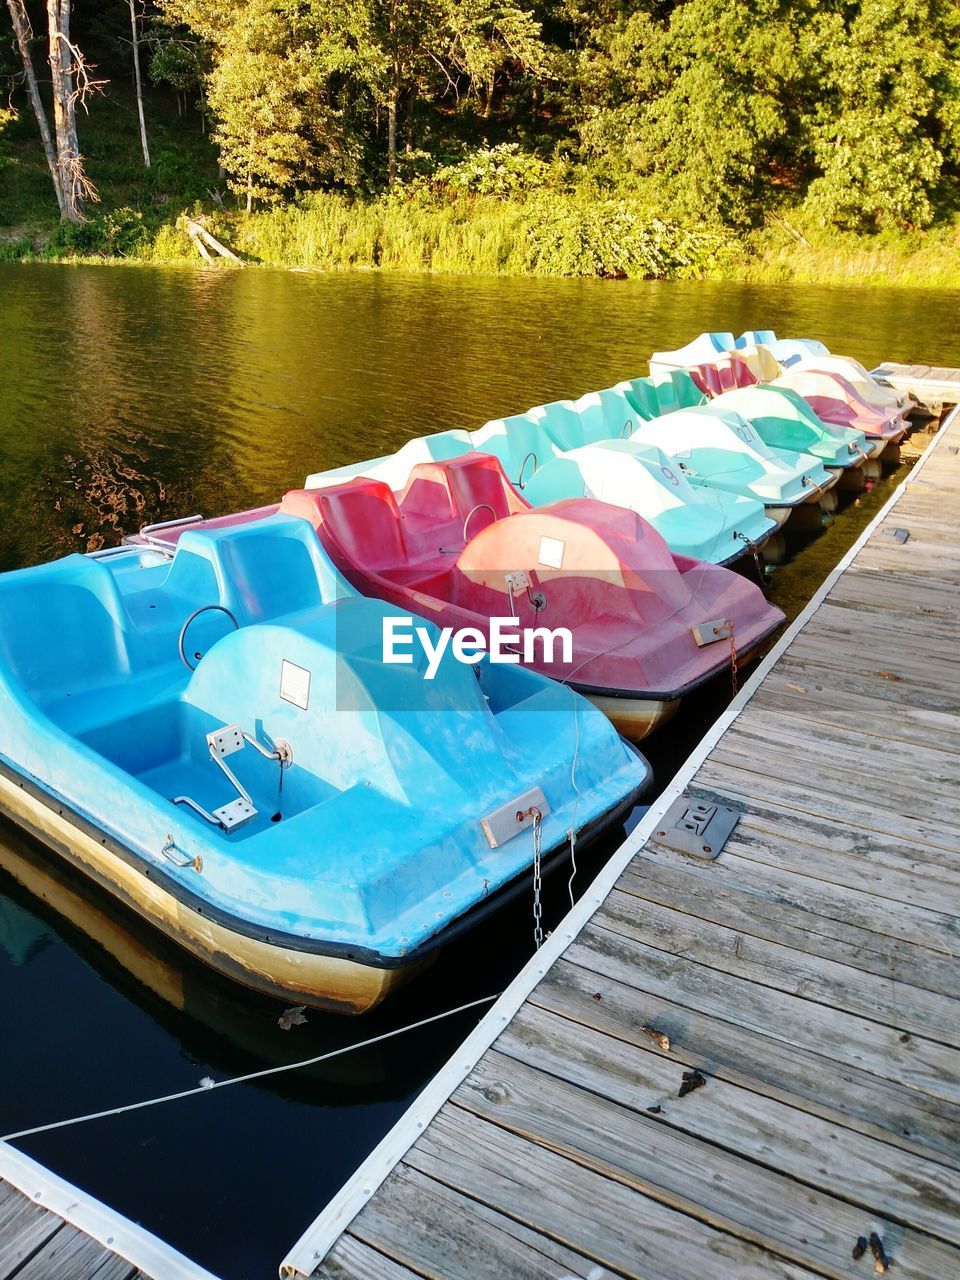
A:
(523, 464)
(472, 512)
(148, 531)
(170, 847)
(218, 608)
(626, 431)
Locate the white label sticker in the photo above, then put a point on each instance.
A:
(295, 684)
(551, 552)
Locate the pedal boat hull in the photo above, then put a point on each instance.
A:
(282, 966)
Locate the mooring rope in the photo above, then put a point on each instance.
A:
(209, 1085)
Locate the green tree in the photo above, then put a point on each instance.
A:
(276, 126)
(703, 101)
(887, 116)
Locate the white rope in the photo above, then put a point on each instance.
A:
(252, 1075)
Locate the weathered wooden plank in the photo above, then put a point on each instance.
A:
(796, 692)
(860, 774)
(739, 896)
(921, 1064)
(351, 1259)
(863, 905)
(419, 1220)
(619, 1228)
(758, 1205)
(68, 1255)
(770, 827)
(835, 671)
(793, 1073)
(862, 1170)
(834, 985)
(24, 1228)
(744, 777)
(844, 747)
(114, 1267)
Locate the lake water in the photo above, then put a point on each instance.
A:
(129, 396)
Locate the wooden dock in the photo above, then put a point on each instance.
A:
(50, 1230)
(932, 386)
(747, 1067)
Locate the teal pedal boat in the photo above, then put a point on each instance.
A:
(212, 735)
(784, 420)
(702, 523)
(661, 393)
(724, 452)
(707, 346)
(568, 450)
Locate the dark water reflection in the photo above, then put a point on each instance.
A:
(135, 395)
(132, 395)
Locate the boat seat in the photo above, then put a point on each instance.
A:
(561, 422)
(512, 439)
(62, 628)
(269, 575)
(361, 515)
(470, 481)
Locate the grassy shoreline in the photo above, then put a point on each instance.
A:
(544, 234)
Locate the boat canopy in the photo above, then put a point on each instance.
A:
(705, 348)
(882, 397)
(706, 524)
(784, 420)
(835, 400)
(724, 452)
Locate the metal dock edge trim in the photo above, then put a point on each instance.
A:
(313, 1246)
(143, 1250)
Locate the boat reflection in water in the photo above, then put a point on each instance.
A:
(232, 1029)
(229, 1027)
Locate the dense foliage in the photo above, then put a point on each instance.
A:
(638, 136)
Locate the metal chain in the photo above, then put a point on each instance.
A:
(755, 552)
(534, 812)
(733, 654)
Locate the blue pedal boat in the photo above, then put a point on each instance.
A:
(213, 737)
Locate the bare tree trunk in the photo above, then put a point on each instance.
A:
(72, 180)
(488, 105)
(392, 137)
(136, 72)
(24, 32)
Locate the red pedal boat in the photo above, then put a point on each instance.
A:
(461, 547)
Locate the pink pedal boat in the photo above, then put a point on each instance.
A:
(729, 371)
(835, 400)
(461, 547)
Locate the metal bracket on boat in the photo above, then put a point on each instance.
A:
(710, 632)
(226, 742)
(697, 827)
(503, 824)
(901, 535)
(170, 850)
